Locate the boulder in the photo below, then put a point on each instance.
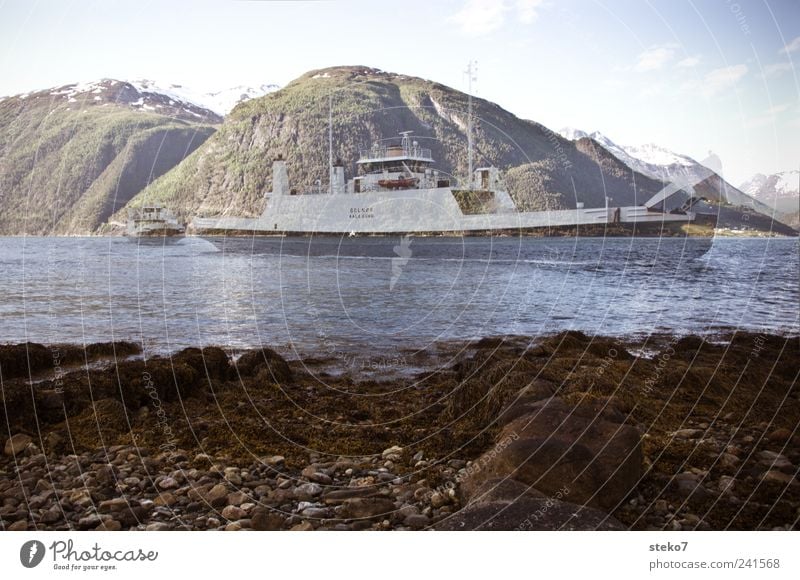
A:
(264, 359)
(557, 446)
(17, 444)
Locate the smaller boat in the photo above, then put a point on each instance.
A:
(153, 221)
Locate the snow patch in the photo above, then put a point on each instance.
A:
(321, 76)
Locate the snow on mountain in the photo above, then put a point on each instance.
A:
(572, 134)
(656, 155)
(225, 100)
(780, 190)
(150, 95)
(650, 159)
(138, 95)
(660, 163)
(221, 102)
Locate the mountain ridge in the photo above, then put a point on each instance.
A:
(229, 174)
(71, 156)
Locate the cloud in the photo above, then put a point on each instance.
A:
(722, 79)
(775, 109)
(793, 46)
(527, 10)
(479, 17)
(688, 62)
(655, 57)
(768, 117)
(777, 69)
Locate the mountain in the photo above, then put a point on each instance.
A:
(229, 174)
(780, 191)
(220, 102)
(225, 100)
(665, 165)
(71, 156)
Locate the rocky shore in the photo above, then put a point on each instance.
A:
(566, 432)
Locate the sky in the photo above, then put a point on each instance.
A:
(693, 76)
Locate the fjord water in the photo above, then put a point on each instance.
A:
(378, 295)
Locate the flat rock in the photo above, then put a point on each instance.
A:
(338, 496)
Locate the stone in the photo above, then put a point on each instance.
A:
(17, 444)
(275, 367)
(320, 478)
(52, 515)
(109, 526)
(157, 527)
(89, 522)
(233, 512)
(560, 446)
(317, 513)
(367, 508)
(726, 484)
(165, 499)
(307, 491)
(112, 505)
(688, 433)
(202, 460)
(232, 476)
(528, 514)
(217, 496)
(781, 435)
(338, 496)
(237, 498)
(167, 483)
(393, 453)
(416, 521)
(267, 520)
(302, 527)
(274, 461)
(779, 477)
(18, 526)
(438, 499)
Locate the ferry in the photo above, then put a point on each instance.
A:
(398, 191)
(153, 221)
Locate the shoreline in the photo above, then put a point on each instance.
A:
(701, 435)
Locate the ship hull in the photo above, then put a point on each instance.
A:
(418, 212)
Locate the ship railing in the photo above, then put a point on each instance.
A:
(389, 152)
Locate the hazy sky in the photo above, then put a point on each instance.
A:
(692, 76)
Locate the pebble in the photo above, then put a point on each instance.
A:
(302, 527)
(18, 526)
(233, 512)
(307, 491)
(416, 521)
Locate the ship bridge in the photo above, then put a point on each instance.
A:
(408, 151)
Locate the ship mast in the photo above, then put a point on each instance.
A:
(330, 143)
(471, 70)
